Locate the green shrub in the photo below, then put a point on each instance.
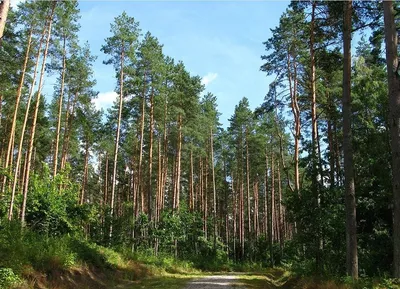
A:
(8, 278)
(51, 254)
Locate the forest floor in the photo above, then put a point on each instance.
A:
(138, 276)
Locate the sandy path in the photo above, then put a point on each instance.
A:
(214, 282)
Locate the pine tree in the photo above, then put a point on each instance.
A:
(351, 222)
(392, 63)
(121, 48)
(65, 36)
(4, 7)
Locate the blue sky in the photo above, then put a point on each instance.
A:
(221, 41)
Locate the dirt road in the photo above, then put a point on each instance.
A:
(214, 282)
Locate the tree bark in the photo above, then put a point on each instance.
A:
(60, 103)
(85, 174)
(178, 166)
(150, 188)
(4, 7)
(33, 130)
(392, 62)
(10, 146)
(105, 196)
(116, 146)
(266, 189)
(159, 183)
(214, 189)
(272, 212)
(191, 183)
(297, 120)
(21, 143)
(140, 188)
(68, 129)
(248, 181)
(351, 221)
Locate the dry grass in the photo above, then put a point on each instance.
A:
(86, 277)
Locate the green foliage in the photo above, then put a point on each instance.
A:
(52, 206)
(8, 278)
(33, 249)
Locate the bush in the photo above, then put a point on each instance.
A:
(8, 278)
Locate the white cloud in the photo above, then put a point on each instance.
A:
(210, 77)
(105, 99)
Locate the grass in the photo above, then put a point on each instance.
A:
(36, 261)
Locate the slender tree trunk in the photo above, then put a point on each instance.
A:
(150, 189)
(214, 189)
(234, 205)
(248, 181)
(206, 199)
(85, 173)
(159, 183)
(297, 121)
(68, 129)
(337, 153)
(201, 192)
(225, 206)
(242, 234)
(271, 212)
(255, 218)
(4, 7)
(33, 130)
(105, 196)
(191, 183)
(140, 183)
(116, 146)
(332, 168)
(60, 104)
(314, 130)
(392, 63)
(313, 103)
(280, 210)
(10, 146)
(66, 126)
(351, 221)
(21, 143)
(23, 170)
(178, 165)
(266, 189)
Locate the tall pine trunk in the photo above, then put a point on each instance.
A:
(314, 133)
(4, 7)
(116, 146)
(297, 121)
(248, 181)
(351, 222)
(178, 166)
(23, 129)
(150, 188)
(272, 212)
(214, 189)
(10, 146)
(191, 182)
(85, 173)
(140, 183)
(60, 104)
(392, 62)
(33, 129)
